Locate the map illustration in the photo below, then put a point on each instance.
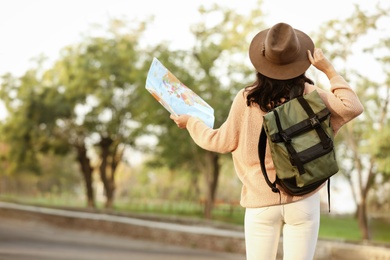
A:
(176, 97)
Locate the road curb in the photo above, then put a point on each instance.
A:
(195, 236)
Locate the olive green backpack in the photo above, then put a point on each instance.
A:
(301, 143)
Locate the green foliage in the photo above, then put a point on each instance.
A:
(337, 36)
(30, 108)
(381, 146)
(89, 97)
(101, 76)
(345, 227)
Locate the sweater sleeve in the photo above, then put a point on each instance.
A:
(225, 138)
(341, 100)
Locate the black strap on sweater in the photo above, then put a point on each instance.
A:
(261, 151)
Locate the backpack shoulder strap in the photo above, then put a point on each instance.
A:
(261, 151)
(287, 142)
(315, 122)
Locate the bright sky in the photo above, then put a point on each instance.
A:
(29, 28)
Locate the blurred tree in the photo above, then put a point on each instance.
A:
(88, 99)
(33, 106)
(338, 38)
(21, 130)
(215, 68)
(380, 142)
(100, 78)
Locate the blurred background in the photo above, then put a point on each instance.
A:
(78, 129)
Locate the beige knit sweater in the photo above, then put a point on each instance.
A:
(239, 134)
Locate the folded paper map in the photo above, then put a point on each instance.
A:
(176, 97)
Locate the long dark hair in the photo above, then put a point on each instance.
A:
(268, 93)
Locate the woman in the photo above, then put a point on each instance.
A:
(280, 55)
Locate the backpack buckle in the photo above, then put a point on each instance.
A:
(285, 137)
(314, 121)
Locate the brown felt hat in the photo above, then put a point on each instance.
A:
(280, 52)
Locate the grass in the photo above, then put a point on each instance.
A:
(333, 227)
(339, 227)
(346, 227)
(381, 230)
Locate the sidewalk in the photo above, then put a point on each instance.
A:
(194, 235)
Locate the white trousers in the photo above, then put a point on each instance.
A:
(298, 222)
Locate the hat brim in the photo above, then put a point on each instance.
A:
(280, 71)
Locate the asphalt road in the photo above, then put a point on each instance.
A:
(30, 240)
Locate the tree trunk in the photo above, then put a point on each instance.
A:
(212, 183)
(362, 220)
(362, 207)
(87, 170)
(108, 182)
(193, 190)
